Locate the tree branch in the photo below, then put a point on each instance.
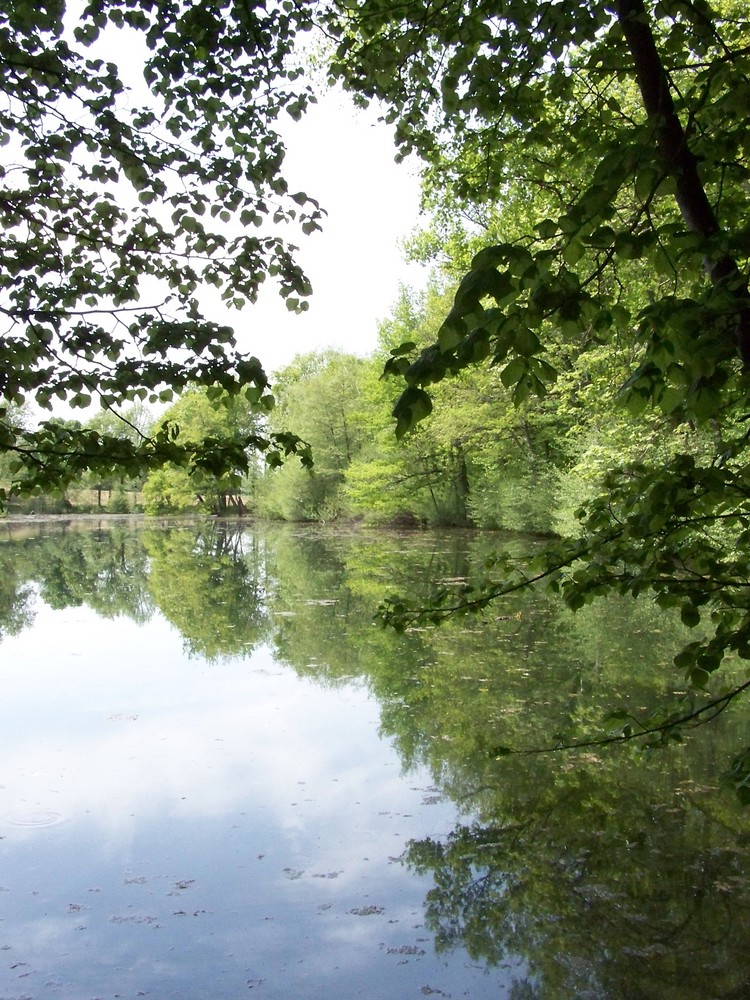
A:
(716, 706)
(692, 200)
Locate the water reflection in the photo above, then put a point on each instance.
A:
(213, 758)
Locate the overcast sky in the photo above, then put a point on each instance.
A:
(344, 158)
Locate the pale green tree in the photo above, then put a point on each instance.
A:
(226, 421)
(321, 396)
(133, 423)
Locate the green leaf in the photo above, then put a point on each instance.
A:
(413, 405)
(513, 372)
(690, 615)
(406, 348)
(526, 342)
(573, 251)
(547, 229)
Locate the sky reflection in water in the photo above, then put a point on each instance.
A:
(178, 829)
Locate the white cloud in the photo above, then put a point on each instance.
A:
(345, 159)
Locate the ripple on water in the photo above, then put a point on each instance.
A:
(31, 818)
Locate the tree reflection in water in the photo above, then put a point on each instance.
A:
(613, 874)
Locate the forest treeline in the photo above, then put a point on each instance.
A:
(484, 459)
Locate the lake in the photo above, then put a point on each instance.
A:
(221, 778)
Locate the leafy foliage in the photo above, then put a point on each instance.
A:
(220, 421)
(543, 96)
(123, 197)
(619, 131)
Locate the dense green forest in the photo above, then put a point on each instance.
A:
(582, 352)
(481, 461)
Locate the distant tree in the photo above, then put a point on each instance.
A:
(228, 422)
(322, 394)
(420, 479)
(132, 424)
(15, 421)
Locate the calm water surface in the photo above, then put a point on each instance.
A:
(220, 779)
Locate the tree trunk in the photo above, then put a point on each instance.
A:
(692, 200)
